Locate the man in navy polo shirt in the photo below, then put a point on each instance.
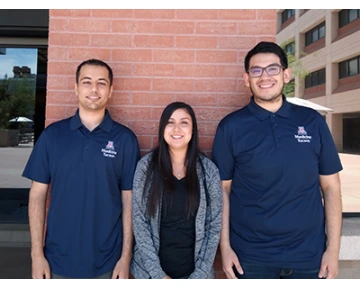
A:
(276, 161)
(88, 161)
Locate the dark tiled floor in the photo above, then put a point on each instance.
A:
(14, 205)
(15, 263)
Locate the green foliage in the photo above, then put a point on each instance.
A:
(297, 69)
(17, 98)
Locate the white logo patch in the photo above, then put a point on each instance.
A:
(302, 135)
(109, 150)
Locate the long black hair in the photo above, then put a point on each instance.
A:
(160, 178)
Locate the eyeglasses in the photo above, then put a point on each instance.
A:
(271, 70)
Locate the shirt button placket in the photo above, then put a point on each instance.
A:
(86, 149)
(275, 130)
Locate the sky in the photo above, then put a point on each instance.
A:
(18, 57)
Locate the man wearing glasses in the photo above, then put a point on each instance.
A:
(281, 189)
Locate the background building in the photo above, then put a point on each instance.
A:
(328, 44)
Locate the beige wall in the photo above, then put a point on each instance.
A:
(328, 57)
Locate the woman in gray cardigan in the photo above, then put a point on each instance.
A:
(177, 203)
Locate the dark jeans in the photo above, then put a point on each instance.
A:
(104, 276)
(256, 271)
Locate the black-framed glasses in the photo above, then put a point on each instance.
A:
(271, 70)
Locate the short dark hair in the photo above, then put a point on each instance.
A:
(95, 62)
(267, 47)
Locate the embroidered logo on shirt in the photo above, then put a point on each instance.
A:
(302, 135)
(110, 145)
(301, 130)
(109, 150)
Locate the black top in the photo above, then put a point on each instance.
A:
(177, 234)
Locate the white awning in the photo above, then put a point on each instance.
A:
(307, 103)
(20, 119)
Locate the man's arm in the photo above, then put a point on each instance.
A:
(228, 256)
(37, 212)
(122, 267)
(330, 186)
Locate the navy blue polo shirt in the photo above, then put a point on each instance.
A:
(274, 161)
(87, 171)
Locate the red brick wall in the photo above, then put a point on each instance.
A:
(158, 56)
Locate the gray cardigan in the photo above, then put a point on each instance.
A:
(145, 262)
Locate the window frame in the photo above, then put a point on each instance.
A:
(287, 14)
(344, 67)
(344, 17)
(309, 35)
(315, 78)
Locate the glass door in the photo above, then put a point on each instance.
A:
(22, 116)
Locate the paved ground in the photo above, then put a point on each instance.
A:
(350, 182)
(12, 164)
(15, 263)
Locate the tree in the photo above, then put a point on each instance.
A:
(297, 69)
(17, 98)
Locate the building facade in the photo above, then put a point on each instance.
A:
(327, 42)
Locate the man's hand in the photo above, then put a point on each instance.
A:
(40, 268)
(121, 270)
(229, 259)
(329, 265)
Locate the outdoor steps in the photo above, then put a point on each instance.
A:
(350, 239)
(14, 235)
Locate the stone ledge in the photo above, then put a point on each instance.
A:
(350, 239)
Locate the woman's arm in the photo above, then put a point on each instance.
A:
(205, 259)
(141, 225)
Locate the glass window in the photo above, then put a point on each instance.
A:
(22, 87)
(342, 18)
(353, 67)
(322, 32)
(315, 34)
(287, 14)
(322, 76)
(315, 78)
(353, 15)
(349, 67)
(342, 70)
(347, 16)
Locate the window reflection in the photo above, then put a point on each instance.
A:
(17, 95)
(22, 107)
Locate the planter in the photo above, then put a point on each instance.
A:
(9, 138)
